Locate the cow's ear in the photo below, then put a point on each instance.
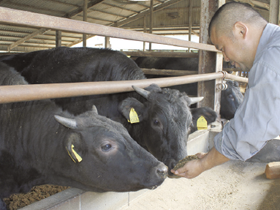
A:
(74, 147)
(154, 88)
(132, 110)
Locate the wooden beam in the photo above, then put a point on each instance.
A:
(95, 18)
(274, 11)
(36, 8)
(19, 17)
(64, 3)
(207, 59)
(58, 39)
(255, 3)
(107, 42)
(123, 8)
(85, 19)
(105, 12)
(35, 33)
(144, 30)
(190, 21)
(80, 9)
(41, 31)
(142, 14)
(151, 21)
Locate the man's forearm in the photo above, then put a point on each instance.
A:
(212, 159)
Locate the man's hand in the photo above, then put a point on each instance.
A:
(206, 161)
(192, 168)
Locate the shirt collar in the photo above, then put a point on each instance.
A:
(265, 39)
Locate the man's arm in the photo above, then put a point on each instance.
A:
(195, 167)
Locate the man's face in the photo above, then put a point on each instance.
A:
(231, 47)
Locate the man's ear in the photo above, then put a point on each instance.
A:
(240, 30)
(132, 110)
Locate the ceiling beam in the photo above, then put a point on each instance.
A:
(147, 12)
(255, 3)
(80, 9)
(112, 5)
(105, 12)
(43, 30)
(30, 36)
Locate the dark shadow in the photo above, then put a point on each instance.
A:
(269, 153)
(272, 199)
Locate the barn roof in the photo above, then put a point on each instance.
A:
(170, 17)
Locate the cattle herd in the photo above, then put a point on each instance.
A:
(90, 142)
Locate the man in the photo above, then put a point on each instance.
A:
(250, 43)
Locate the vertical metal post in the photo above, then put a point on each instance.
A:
(273, 11)
(151, 21)
(107, 42)
(145, 30)
(279, 14)
(58, 39)
(190, 21)
(85, 19)
(217, 97)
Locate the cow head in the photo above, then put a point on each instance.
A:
(164, 119)
(100, 155)
(231, 98)
(209, 114)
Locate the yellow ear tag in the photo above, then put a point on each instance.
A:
(133, 116)
(78, 157)
(201, 123)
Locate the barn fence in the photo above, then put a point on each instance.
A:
(38, 92)
(45, 91)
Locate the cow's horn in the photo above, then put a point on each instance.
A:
(141, 91)
(94, 109)
(69, 123)
(196, 99)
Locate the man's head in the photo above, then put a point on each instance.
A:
(235, 29)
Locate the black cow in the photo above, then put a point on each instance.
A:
(209, 114)
(41, 144)
(231, 98)
(164, 114)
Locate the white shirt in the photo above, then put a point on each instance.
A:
(257, 119)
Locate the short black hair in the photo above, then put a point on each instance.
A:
(239, 14)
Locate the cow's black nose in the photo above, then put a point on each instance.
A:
(172, 164)
(162, 170)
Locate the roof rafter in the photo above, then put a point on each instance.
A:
(43, 30)
(147, 12)
(30, 36)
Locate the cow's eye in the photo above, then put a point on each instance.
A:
(156, 122)
(106, 147)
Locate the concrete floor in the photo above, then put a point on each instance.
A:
(233, 185)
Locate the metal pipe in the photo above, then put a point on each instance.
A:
(12, 16)
(17, 93)
(236, 78)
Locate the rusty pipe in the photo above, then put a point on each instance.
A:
(17, 93)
